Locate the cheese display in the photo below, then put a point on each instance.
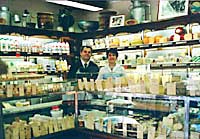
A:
(27, 88)
(38, 125)
(136, 125)
(154, 83)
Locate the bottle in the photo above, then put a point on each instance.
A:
(5, 16)
(26, 18)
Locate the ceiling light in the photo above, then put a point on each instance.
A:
(76, 5)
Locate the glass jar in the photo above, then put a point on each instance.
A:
(4, 16)
(140, 11)
(26, 18)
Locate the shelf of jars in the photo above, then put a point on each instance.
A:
(6, 29)
(157, 25)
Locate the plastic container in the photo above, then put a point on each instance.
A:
(56, 112)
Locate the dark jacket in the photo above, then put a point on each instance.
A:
(77, 71)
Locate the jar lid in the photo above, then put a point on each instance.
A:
(136, 3)
(45, 13)
(55, 107)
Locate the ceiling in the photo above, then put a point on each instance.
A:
(98, 3)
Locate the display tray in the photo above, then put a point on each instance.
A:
(30, 108)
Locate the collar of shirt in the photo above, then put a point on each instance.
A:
(83, 62)
(114, 68)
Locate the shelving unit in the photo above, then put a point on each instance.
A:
(158, 25)
(4, 29)
(152, 46)
(14, 31)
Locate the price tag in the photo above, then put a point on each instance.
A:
(40, 53)
(144, 46)
(194, 65)
(174, 65)
(181, 42)
(11, 82)
(182, 65)
(5, 52)
(3, 83)
(167, 43)
(156, 44)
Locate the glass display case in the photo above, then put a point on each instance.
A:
(135, 115)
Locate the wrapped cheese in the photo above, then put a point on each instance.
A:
(151, 132)
(188, 36)
(80, 84)
(35, 126)
(171, 89)
(109, 84)
(50, 126)
(27, 131)
(21, 89)
(86, 84)
(9, 90)
(140, 131)
(99, 85)
(92, 87)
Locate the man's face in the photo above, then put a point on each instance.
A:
(86, 54)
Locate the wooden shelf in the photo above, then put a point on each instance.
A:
(157, 25)
(5, 29)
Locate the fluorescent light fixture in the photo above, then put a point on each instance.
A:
(76, 5)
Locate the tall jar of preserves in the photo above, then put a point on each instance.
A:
(4, 15)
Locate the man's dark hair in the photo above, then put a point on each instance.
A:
(113, 51)
(85, 47)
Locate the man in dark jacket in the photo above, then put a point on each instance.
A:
(84, 67)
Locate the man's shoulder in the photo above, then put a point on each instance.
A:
(93, 64)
